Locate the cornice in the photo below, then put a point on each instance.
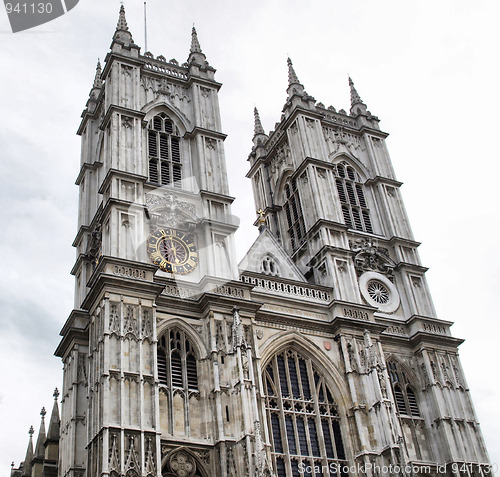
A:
(114, 108)
(86, 166)
(116, 172)
(382, 180)
(205, 132)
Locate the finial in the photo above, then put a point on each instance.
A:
(56, 394)
(122, 21)
(261, 221)
(258, 129)
(43, 412)
(31, 431)
(292, 76)
(195, 44)
(355, 98)
(12, 464)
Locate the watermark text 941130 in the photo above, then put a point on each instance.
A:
(29, 14)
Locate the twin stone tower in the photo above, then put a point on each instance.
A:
(319, 354)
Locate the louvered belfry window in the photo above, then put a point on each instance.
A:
(303, 418)
(404, 395)
(164, 155)
(352, 198)
(177, 367)
(293, 214)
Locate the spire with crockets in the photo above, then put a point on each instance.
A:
(357, 105)
(196, 55)
(259, 135)
(122, 21)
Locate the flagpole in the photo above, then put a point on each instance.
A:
(145, 30)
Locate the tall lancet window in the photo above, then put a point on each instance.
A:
(404, 394)
(293, 214)
(303, 419)
(178, 379)
(164, 153)
(352, 198)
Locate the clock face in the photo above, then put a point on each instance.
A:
(173, 251)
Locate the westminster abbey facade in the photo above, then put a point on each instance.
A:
(319, 354)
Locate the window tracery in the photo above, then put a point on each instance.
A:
(352, 198)
(178, 379)
(404, 394)
(302, 416)
(269, 266)
(293, 214)
(164, 155)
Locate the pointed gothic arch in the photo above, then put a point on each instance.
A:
(303, 408)
(183, 461)
(179, 369)
(350, 190)
(404, 389)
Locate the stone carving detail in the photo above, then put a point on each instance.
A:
(237, 331)
(182, 464)
(150, 458)
(127, 122)
(210, 143)
(114, 455)
(352, 357)
(381, 379)
(369, 257)
(283, 158)
(231, 464)
(433, 367)
(130, 322)
(81, 372)
(456, 372)
(425, 374)
(147, 324)
(132, 465)
(114, 319)
(170, 211)
(95, 245)
(338, 137)
(444, 368)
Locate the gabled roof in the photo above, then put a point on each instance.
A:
(266, 245)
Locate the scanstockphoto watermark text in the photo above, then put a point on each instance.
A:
(362, 469)
(29, 14)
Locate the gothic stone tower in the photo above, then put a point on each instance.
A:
(322, 353)
(143, 394)
(388, 388)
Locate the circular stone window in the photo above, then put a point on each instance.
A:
(379, 291)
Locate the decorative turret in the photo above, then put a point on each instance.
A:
(357, 105)
(53, 433)
(52, 441)
(122, 39)
(197, 61)
(297, 95)
(96, 88)
(39, 456)
(29, 455)
(259, 135)
(196, 55)
(294, 85)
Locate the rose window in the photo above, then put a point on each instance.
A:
(378, 292)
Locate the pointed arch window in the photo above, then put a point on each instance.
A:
(177, 362)
(164, 157)
(303, 418)
(404, 394)
(293, 214)
(352, 198)
(269, 266)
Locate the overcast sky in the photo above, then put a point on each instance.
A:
(428, 69)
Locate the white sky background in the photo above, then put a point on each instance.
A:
(428, 69)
